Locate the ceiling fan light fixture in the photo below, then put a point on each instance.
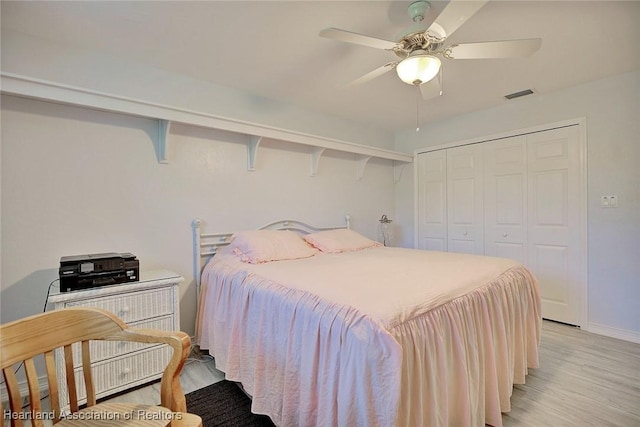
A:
(418, 68)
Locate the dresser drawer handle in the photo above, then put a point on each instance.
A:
(125, 309)
(126, 371)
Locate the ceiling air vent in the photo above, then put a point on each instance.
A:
(519, 94)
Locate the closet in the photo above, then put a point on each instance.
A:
(520, 197)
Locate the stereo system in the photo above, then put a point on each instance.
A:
(95, 270)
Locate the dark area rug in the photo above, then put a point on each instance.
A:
(224, 404)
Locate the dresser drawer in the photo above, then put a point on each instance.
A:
(134, 306)
(120, 373)
(101, 350)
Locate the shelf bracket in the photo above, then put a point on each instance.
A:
(316, 153)
(252, 151)
(398, 168)
(162, 143)
(361, 164)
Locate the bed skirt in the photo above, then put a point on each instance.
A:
(454, 365)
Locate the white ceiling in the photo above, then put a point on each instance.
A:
(272, 49)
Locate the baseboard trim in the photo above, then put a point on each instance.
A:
(609, 331)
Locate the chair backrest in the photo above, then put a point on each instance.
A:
(22, 340)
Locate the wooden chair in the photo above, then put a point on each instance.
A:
(41, 334)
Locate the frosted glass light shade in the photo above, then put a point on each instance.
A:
(418, 69)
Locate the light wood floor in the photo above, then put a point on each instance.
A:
(584, 380)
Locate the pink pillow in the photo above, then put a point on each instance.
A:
(258, 246)
(340, 240)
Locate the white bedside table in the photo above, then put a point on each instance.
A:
(151, 303)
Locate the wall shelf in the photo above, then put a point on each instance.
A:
(13, 84)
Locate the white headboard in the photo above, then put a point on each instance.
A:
(205, 245)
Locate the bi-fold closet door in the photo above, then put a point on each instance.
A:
(450, 205)
(465, 204)
(505, 194)
(517, 197)
(450, 200)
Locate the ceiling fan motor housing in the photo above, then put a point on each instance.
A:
(417, 41)
(418, 38)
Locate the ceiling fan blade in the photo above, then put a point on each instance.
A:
(373, 74)
(456, 13)
(355, 38)
(432, 88)
(494, 50)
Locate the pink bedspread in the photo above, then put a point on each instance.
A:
(378, 337)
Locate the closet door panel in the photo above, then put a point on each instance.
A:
(432, 201)
(554, 231)
(505, 192)
(465, 200)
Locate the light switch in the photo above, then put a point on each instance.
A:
(604, 201)
(609, 201)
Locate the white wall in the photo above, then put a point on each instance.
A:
(612, 109)
(38, 58)
(77, 181)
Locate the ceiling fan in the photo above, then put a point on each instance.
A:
(420, 49)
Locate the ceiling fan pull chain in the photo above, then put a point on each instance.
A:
(417, 108)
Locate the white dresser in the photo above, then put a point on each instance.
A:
(151, 303)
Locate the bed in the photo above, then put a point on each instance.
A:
(342, 331)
